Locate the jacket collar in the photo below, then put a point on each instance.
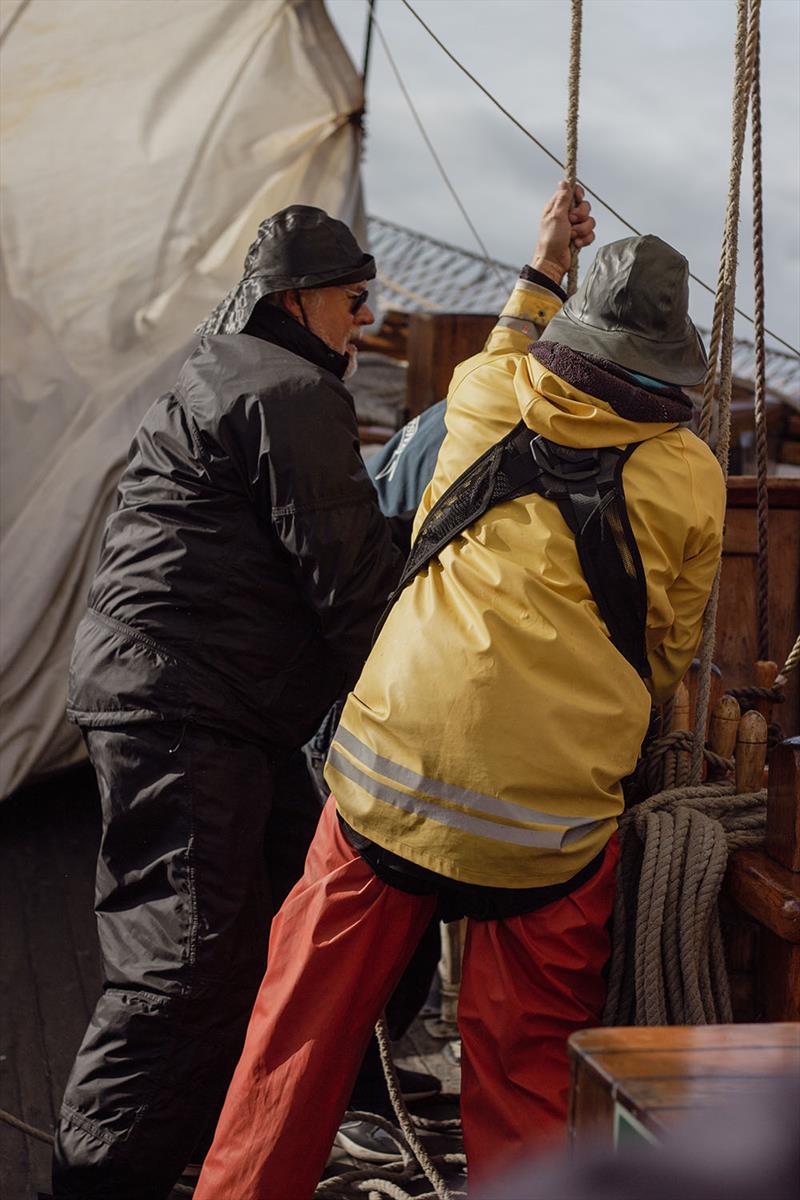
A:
(273, 324)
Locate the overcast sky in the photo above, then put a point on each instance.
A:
(655, 127)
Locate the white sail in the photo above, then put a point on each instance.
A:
(142, 142)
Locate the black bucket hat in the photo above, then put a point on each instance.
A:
(298, 247)
(633, 309)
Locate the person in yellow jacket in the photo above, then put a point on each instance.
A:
(477, 767)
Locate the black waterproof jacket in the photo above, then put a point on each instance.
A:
(245, 567)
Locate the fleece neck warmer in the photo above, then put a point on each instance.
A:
(612, 384)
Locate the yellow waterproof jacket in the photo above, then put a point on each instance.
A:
(494, 719)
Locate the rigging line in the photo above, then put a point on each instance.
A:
(523, 129)
(571, 146)
(367, 44)
(436, 159)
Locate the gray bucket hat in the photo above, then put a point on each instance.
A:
(298, 247)
(633, 309)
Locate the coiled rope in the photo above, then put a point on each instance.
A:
(667, 963)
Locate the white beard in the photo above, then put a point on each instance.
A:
(352, 363)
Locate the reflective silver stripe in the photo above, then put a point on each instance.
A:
(491, 806)
(527, 327)
(477, 826)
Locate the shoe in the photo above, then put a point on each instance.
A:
(367, 1142)
(417, 1085)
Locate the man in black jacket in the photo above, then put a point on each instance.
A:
(240, 579)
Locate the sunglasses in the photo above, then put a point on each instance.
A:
(357, 301)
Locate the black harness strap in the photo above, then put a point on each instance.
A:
(587, 487)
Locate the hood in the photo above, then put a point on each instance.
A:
(582, 402)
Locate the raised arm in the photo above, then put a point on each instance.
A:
(566, 221)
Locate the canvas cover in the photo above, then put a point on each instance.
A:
(142, 143)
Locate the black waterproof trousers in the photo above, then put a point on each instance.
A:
(203, 837)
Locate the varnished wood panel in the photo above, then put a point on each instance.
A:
(589, 1108)
(779, 978)
(658, 1074)
(737, 628)
(437, 343)
(697, 1062)
(689, 1038)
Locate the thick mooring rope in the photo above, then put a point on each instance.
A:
(667, 962)
(573, 96)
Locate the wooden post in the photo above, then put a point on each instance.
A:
(765, 673)
(716, 693)
(751, 752)
(681, 720)
(724, 726)
(681, 713)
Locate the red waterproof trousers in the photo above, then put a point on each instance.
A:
(337, 948)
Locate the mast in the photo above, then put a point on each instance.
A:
(368, 43)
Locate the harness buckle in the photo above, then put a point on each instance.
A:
(562, 462)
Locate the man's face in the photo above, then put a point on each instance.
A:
(331, 317)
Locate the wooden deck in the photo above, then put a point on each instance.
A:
(50, 974)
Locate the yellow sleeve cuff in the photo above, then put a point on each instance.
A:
(528, 310)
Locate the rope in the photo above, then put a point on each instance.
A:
(667, 961)
(439, 165)
(722, 334)
(403, 1116)
(590, 191)
(762, 497)
(349, 1185)
(790, 664)
(571, 149)
(747, 696)
(338, 1187)
(30, 1130)
(41, 1136)
(413, 1161)
(667, 764)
